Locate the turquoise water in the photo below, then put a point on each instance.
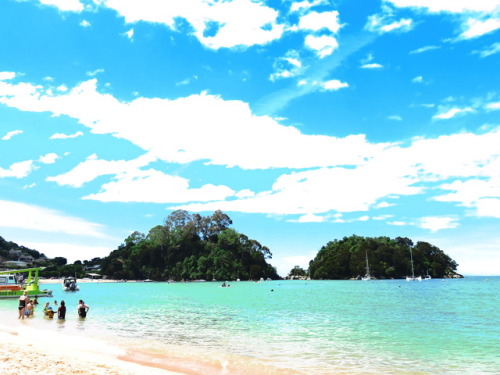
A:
(297, 327)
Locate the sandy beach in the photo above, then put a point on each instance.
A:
(26, 349)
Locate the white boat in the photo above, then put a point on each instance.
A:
(427, 277)
(412, 277)
(70, 285)
(367, 277)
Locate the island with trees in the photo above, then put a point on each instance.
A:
(387, 259)
(195, 247)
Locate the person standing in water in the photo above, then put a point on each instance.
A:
(61, 311)
(83, 309)
(22, 305)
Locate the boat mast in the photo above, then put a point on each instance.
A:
(411, 260)
(367, 265)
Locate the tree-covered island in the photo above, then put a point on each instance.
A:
(193, 247)
(190, 247)
(387, 258)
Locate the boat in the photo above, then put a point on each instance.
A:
(427, 277)
(70, 285)
(12, 285)
(412, 277)
(367, 277)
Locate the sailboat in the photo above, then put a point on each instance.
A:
(412, 277)
(428, 277)
(367, 277)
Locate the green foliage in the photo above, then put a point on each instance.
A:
(387, 258)
(190, 247)
(297, 271)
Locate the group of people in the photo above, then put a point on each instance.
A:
(27, 306)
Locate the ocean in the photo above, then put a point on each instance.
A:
(438, 326)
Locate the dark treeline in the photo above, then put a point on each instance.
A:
(190, 247)
(387, 258)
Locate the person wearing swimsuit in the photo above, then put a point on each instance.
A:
(83, 309)
(22, 305)
(61, 311)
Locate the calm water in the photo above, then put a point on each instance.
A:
(297, 327)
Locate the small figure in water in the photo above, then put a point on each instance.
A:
(61, 311)
(83, 309)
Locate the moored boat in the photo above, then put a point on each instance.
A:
(14, 287)
(70, 285)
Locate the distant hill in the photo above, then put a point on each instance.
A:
(7, 246)
(387, 258)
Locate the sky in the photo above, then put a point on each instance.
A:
(304, 121)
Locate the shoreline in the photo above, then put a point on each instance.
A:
(25, 347)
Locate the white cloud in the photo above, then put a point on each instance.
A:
(489, 207)
(436, 223)
(156, 187)
(424, 49)
(216, 24)
(64, 5)
(490, 50)
(475, 28)
(10, 134)
(452, 112)
(316, 21)
(18, 170)
(334, 85)
(455, 6)
(481, 194)
(129, 34)
(66, 136)
(395, 172)
(372, 66)
(93, 167)
(385, 22)
(310, 218)
(495, 106)
(32, 217)
(166, 128)
(288, 66)
(418, 79)
(48, 158)
(367, 63)
(477, 17)
(93, 73)
(395, 118)
(300, 5)
(4, 76)
(85, 23)
(323, 45)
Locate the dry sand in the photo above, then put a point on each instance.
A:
(24, 349)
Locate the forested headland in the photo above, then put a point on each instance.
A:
(190, 247)
(387, 258)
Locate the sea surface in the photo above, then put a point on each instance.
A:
(439, 326)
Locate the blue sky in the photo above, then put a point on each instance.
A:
(304, 121)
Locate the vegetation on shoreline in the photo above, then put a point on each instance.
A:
(190, 247)
(387, 258)
(193, 247)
